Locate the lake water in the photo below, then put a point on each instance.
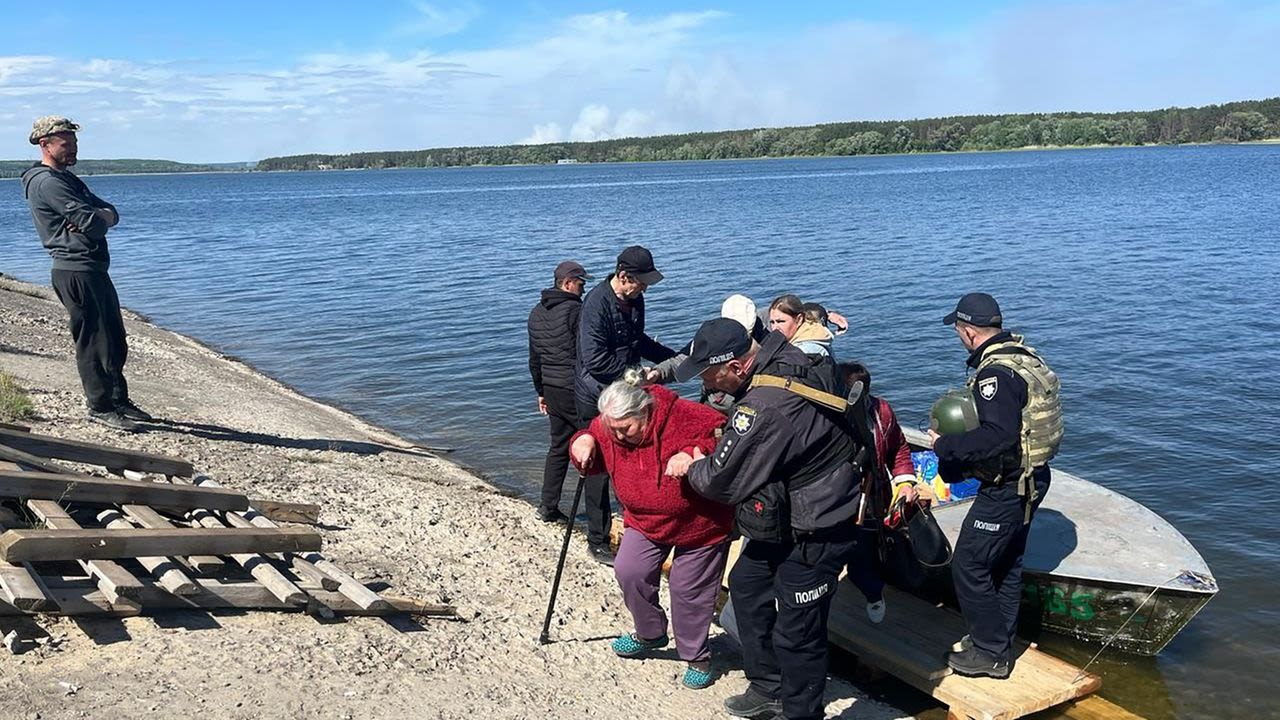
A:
(1147, 276)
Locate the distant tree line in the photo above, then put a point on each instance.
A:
(1233, 122)
(15, 168)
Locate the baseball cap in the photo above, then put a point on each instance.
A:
(638, 262)
(571, 269)
(717, 341)
(978, 309)
(740, 308)
(50, 125)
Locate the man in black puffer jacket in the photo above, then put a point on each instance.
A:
(553, 349)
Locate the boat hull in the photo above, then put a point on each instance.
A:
(1131, 619)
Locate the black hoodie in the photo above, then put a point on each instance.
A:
(553, 339)
(58, 198)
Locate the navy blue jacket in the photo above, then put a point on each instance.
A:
(610, 341)
(992, 447)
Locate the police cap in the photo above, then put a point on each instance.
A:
(717, 341)
(978, 309)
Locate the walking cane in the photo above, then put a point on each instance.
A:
(545, 638)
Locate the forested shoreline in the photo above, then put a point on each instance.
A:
(1244, 121)
(126, 166)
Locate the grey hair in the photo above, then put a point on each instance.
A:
(623, 399)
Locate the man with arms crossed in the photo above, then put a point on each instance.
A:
(72, 224)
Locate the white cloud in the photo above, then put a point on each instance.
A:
(543, 135)
(592, 124)
(435, 21)
(613, 74)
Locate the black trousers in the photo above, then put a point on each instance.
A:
(987, 565)
(562, 414)
(98, 333)
(781, 598)
(596, 490)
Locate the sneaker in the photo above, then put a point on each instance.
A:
(976, 663)
(133, 412)
(601, 554)
(752, 703)
(551, 515)
(113, 419)
(875, 611)
(962, 644)
(697, 676)
(632, 645)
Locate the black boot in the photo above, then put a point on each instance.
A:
(753, 704)
(601, 554)
(551, 515)
(113, 419)
(977, 663)
(133, 412)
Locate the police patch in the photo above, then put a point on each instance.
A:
(743, 419)
(987, 387)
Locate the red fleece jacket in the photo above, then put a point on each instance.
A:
(891, 444)
(663, 508)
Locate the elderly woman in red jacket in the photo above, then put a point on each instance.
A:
(634, 438)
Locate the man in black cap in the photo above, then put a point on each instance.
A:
(786, 461)
(611, 338)
(1020, 428)
(553, 349)
(72, 224)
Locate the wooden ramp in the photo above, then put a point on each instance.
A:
(912, 643)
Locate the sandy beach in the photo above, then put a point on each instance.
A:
(393, 516)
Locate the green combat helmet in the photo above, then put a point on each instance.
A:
(954, 412)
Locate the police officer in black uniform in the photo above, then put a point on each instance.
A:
(786, 462)
(987, 564)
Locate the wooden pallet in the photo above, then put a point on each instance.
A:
(912, 643)
(170, 523)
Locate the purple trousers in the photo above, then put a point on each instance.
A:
(695, 578)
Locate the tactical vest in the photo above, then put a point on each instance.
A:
(1042, 426)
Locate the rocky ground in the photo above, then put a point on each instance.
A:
(391, 515)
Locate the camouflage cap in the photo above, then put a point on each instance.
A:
(49, 125)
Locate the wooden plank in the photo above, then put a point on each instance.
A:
(308, 571)
(258, 566)
(304, 568)
(14, 455)
(302, 513)
(82, 598)
(109, 491)
(103, 544)
(93, 454)
(348, 585)
(20, 586)
(912, 642)
(149, 518)
(115, 582)
(165, 570)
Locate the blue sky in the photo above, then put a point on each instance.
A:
(242, 80)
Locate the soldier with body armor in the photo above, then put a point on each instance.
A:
(787, 462)
(1018, 430)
